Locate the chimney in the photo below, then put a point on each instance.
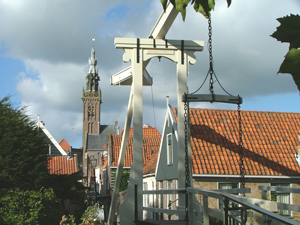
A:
(117, 127)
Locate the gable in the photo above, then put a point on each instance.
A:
(163, 170)
(97, 142)
(64, 144)
(54, 147)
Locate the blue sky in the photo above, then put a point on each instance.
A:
(45, 46)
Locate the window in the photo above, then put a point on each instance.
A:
(281, 197)
(170, 149)
(227, 186)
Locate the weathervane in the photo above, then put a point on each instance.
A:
(92, 34)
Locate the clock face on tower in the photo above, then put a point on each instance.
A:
(91, 110)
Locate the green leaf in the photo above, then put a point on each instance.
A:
(164, 4)
(291, 64)
(289, 30)
(204, 7)
(228, 3)
(180, 6)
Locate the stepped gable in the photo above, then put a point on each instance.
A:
(270, 142)
(62, 165)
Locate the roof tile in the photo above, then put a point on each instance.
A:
(151, 143)
(270, 141)
(62, 165)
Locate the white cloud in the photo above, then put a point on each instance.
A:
(53, 39)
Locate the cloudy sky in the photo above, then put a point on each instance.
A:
(45, 46)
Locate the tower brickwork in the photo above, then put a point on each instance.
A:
(91, 97)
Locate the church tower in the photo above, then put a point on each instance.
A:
(91, 97)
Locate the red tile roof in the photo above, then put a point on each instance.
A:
(64, 144)
(62, 165)
(270, 140)
(151, 142)
(147, 131)
(150, 165)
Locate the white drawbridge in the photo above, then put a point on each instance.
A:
(140, 51)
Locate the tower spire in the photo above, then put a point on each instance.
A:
(92, 77)
(92, 61)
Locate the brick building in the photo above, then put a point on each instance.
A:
(270, 149)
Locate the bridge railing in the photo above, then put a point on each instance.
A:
(220, 207)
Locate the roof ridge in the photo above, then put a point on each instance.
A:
(254, 111)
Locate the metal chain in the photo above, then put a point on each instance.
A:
(211, 69)
(187, 170)
(187, 176)
(241, 150)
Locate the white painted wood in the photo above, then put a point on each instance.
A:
(136, 172)
(124, 77)
(164, 22)
(158, 47)
(119, 172)
(277, 188)
(182, 71)
(51, 138)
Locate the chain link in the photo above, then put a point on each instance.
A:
(211, 69)
(187, 176)
(187, 170)
(241, 150)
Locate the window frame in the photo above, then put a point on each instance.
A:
(282, 212)
(230, 185)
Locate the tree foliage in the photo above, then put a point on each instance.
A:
(22, 207)
(124, 179)
(23, 168)
(202, 6)
(67, 187)
(289, 32)
(23, 152)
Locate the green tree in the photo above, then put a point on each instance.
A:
(23, 165)
(23, 152)
(124, 179)
(289, 32)
(67, 187)
(202, 6)
(29, 207)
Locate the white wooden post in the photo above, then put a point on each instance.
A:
(139, 52)
(119, 172)
(182, 72)
(127, 208)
